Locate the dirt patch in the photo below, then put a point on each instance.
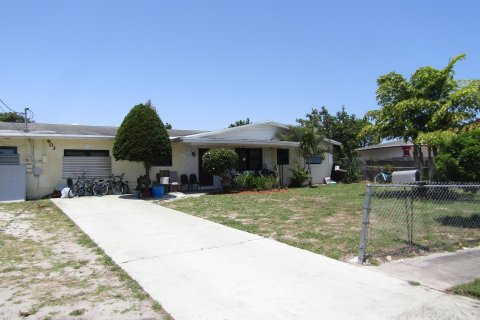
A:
(49, 269)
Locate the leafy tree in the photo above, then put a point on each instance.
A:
(142, 137)
(239, 123)
(219, 162)
(12, 117)
(425, 108)
(311, 144)
(168, 125)
(342, 127)
(458, 157)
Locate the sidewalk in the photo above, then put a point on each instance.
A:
(197, 269)
(439, 271)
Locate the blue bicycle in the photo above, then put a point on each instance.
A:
(383, 177)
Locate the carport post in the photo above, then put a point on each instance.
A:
(365, 221)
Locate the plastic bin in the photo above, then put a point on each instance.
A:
(158, 191)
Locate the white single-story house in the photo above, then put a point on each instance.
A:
(39, 157)
(392, 150)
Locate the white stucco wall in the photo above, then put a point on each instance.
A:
(323, 170)
(36, 153)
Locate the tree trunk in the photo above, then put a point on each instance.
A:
(418, 157)
(147, 173)
(432, 170)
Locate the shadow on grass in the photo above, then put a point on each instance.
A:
(472, 222)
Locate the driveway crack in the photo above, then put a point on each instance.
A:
(190, 251)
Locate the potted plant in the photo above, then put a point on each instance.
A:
(142, 189)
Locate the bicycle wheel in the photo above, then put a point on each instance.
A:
(117, 188)
(379, 178)
(70, 193)
(80, 192)
(125, 187)
(100, 189)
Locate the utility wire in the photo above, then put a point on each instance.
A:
(15, 124)
(8, 107)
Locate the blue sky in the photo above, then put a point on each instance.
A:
(206, 64)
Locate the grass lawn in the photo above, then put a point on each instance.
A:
(49, 269)
(324, 220)
(471, 289)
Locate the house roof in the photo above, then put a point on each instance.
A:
(222, 136)
(48, 130)
(390, 144)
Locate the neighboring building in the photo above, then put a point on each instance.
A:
(392, 150)
(47, 154)
(397, 155)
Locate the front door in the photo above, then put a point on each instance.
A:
(204, 178)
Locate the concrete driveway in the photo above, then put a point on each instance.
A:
(197, 269)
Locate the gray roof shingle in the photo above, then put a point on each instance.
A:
(72, 129)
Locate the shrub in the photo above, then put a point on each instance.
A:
(300, 176)
(219, 162)
(242, 180)
(260, 183)
(458, 158)
(248, 181)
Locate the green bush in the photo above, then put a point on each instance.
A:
(248, 181)
(260, 183)
(458, 158)
(242, 181)
(219, 162)
(300, 176)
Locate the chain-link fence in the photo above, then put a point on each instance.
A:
(402, 220)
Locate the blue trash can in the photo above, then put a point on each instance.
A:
(158, 191)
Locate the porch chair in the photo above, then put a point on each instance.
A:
(184, 182)
(193, 181)
(173, 181)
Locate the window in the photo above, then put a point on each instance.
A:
(86, 153)
(8, 150)
(314, 160)
(8, 155)
(283, 156)
(249, 159)
(163, 163)
(406, 152)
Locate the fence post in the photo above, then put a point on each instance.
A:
(365, 221)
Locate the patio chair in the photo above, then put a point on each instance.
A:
(184, 182)
(173, 183)
(163, 174)
(193, 181)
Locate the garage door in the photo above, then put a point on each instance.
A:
(12, 175)
(95, 163)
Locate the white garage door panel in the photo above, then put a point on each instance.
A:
(92, 166)
(13, 182)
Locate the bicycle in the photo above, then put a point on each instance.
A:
(383, 177)
(124, 185)
(84, 185)
(78, 188)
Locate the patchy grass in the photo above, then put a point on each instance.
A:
(327, 219)
(324, 220)
(471, 289)
(49, 269)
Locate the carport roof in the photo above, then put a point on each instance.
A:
(47, 130)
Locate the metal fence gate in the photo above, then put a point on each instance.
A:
(403, 220)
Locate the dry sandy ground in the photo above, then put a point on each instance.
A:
(49, 269)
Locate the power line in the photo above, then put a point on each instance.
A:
(22, 114)
(8, 107)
